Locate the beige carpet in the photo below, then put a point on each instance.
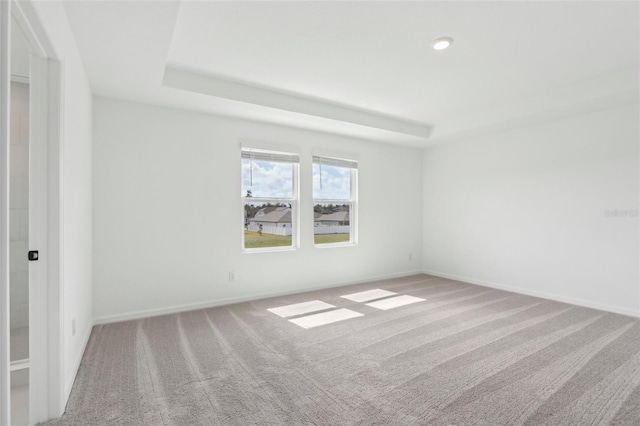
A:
(467, 355)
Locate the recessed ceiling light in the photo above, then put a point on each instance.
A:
(442, 43)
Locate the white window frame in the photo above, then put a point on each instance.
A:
(352, 201)
(262, 155)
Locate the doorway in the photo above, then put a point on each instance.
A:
(31, 372)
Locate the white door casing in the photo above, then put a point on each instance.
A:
(5, 96)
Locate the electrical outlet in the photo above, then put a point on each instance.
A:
(73, 327)
(232, 275)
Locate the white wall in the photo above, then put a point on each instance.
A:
(525, 210)
(164, 180)
(77, 189)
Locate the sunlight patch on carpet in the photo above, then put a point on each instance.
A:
(300, 308)
(395, 302)
(365, 296)
(324, 318)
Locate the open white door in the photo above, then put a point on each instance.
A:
(45, 316)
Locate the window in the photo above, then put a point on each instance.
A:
(270, 199)
(334, 200)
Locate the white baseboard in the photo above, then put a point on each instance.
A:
(231, 300)
(541, 294)
(68, 385)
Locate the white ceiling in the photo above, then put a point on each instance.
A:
(365, 69)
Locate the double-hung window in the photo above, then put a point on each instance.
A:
(270, 199)
(335, 188)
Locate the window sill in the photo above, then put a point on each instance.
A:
(332, 245)
(269, 250)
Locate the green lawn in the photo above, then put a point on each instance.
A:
(330, 238)
(255, 240)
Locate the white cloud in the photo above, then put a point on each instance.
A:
(267, 179)
(275, 180)
(336, 182)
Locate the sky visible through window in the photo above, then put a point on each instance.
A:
(336, 182)
(270, 179)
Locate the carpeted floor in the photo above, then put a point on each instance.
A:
(467, 355)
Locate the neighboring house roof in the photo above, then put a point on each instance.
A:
(342, 216)
(278, 215)
(266, 210)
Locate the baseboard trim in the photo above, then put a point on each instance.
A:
(231, 300)
(76, 365)
(541, 294)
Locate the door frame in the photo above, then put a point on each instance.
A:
(46, 382)
(5, 87)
